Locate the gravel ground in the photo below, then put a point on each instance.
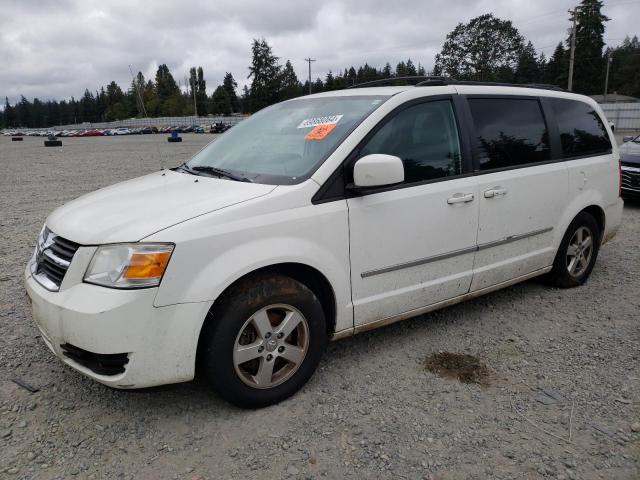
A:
(371, 411)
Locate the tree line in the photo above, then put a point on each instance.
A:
(484, 49)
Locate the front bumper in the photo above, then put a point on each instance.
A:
(160, 342)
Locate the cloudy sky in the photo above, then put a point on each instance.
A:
(56, 49)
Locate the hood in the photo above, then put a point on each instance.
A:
(132, 210)
(630, 152)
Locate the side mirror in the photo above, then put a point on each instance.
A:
(377, 170)
(627, 138)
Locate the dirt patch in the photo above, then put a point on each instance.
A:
(462, 367)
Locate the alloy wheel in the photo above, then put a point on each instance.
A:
(271, 346)
(579, 252)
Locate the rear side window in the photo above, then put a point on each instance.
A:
(425, 137)
(509, 132)
(581, 129)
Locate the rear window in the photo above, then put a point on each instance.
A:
(509, 132)
(582, 131)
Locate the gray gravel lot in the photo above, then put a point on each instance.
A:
(371, 411)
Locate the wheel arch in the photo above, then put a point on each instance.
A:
(309, 276)
(598, 213)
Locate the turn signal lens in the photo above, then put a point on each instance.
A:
(129, 265)
(147, 265)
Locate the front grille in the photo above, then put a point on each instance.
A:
(52, 259)
(100, 363)
(630, 180)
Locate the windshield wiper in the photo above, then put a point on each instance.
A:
(220, 172)
(184, 167)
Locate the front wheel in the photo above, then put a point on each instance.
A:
(263, 341)
(577, 254)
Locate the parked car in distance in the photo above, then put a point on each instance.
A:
(319, 218)
(630, 166)
(121, 131)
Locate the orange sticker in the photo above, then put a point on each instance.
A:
(319, 132)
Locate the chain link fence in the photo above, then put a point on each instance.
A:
(154, 122)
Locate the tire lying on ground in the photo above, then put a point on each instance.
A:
(53, 143)
(16, 139)
(174, 139)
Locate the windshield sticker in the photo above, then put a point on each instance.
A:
(319, 132)
(313, 122)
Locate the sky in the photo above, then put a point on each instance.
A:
(56, 49)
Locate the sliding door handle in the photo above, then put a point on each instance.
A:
(495, 192)
(460, 198)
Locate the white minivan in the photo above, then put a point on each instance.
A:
(318, 218)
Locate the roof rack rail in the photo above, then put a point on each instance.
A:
(436, 81)
(393, 80)
(445, 81)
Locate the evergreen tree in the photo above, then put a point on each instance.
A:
(10, 119)
(410, 69)
(229, 84)
(624, 75)
(329, 82)
(289, 84)
(171, 100)
(528, 68)
(557, 69)
(352, 77)
(589, 64)
(115, 102)
(198, 83)
(245, 100)
(87, 107)
(220, 101)
(264, 72)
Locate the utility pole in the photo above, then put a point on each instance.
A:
(195, 106)
(574, 19)
(309, 60)
(606, 78)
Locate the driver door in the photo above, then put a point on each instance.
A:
(413, 244)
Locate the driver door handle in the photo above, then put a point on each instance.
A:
(495, 192)
(460, 198)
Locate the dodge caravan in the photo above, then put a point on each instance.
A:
(318, 218)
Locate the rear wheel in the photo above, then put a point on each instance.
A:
(577, 254)
(263, 341)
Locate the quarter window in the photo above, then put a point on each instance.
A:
(425, 137)
(582, 131)
(509, 132)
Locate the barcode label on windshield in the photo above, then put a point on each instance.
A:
(314, 122)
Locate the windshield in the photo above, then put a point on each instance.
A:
(285, 143)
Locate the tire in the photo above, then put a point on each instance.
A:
(565, 274)
(235, 329)
(174, 139)
(16, 139)
(52, 143)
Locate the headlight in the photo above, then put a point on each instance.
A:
(129, 265)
